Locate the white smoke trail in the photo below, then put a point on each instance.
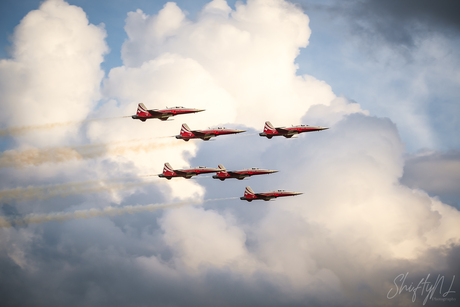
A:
(38, 156)
(74, 188)
(14, 131)
(91, 213)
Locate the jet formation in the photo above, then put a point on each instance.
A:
(222, 174)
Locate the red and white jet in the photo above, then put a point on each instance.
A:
(240, 175)
(270, 131)
(187, 173)
(249, 194)
(143, 114)
(187, 134)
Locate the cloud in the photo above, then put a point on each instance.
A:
(361, 161)
(353, 206)
(258, 42)
(436, 173)
(414, 86)
(237, 64)
(342, 242)
(400, 24)
(398, 61)
(355, 224)
(411, 18)
(201, 238)
(54, 73)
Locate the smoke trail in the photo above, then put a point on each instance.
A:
(83, 187)
(74, 188)
(37, 156)
(14, 131)
(91, 213)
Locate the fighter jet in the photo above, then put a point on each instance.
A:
(143, 114)
(270, 131)
(240, 175)
(249, 194)
(187, 134)
(187, 173)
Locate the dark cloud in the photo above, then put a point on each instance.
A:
(399, 23)
(437, 173)
(436, 14)
(95, 263)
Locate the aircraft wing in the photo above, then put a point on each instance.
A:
(165, 115)
(238, 175)
(182, 173)
(199, 133)
(265, 196)
(286, 131)
(282, 130)
(203, 135)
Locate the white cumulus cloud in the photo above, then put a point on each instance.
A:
(54, 73)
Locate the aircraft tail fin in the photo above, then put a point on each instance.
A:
(185, 131)
(168, 170)
(222, 173)
(142, 110)
(269, 128)
(249, 193)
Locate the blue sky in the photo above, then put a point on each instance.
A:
(111, 13)
(380, 187)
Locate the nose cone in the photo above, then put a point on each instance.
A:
(272, 171)
(199, 110)
(239, 131)
(323, 128)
